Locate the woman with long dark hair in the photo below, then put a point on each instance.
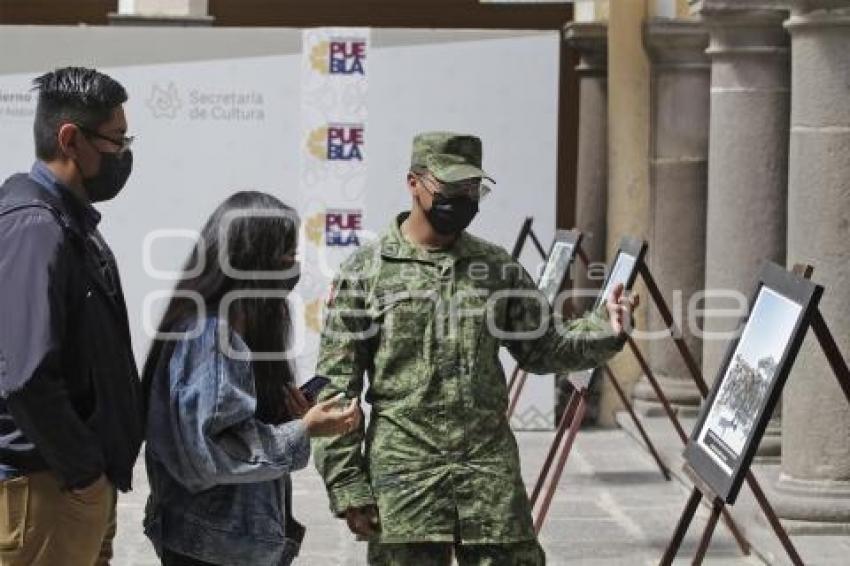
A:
(225, 424)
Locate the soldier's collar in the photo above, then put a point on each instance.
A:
(395, 245)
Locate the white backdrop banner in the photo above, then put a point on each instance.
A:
(294, 123)
(332, 185)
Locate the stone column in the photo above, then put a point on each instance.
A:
(814, 488)
(590, 40)
(679, 117)
(628, 162)
(748, 155)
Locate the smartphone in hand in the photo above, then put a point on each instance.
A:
(312, 388)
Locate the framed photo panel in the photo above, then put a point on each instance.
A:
(750, 380)
(624, 269)
(558, 262)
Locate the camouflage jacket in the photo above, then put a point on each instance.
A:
(438, 457)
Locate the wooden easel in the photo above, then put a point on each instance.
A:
(576, 407)
(576, 403)
(570, 424)
(700, 490)
(524, 233)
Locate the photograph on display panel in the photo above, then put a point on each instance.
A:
(558, 264)
(556, 268)
(745, 385)
(624, 270)
(750, 380)
(621, 273)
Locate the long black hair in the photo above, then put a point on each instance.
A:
(261, 235)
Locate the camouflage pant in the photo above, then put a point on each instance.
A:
(527, 553)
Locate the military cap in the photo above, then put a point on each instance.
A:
(450, 157)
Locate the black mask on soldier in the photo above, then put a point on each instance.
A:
(451, 215)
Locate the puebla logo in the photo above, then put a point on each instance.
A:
(339, 56)
(338, 228)
(337, 142)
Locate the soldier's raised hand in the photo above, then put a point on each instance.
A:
(621, 308)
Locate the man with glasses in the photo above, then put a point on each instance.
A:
(425, 310)
(70, 419)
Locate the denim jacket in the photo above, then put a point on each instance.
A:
(219, 478)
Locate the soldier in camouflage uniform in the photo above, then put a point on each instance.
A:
(424, 311)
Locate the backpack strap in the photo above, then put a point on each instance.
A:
(63, 220)
(59, 215)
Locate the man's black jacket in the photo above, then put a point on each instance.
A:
(69, 387)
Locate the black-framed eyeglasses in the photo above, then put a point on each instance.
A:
(471, 188)
(123, 144)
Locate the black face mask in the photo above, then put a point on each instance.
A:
(111, 177)
(451, 215)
